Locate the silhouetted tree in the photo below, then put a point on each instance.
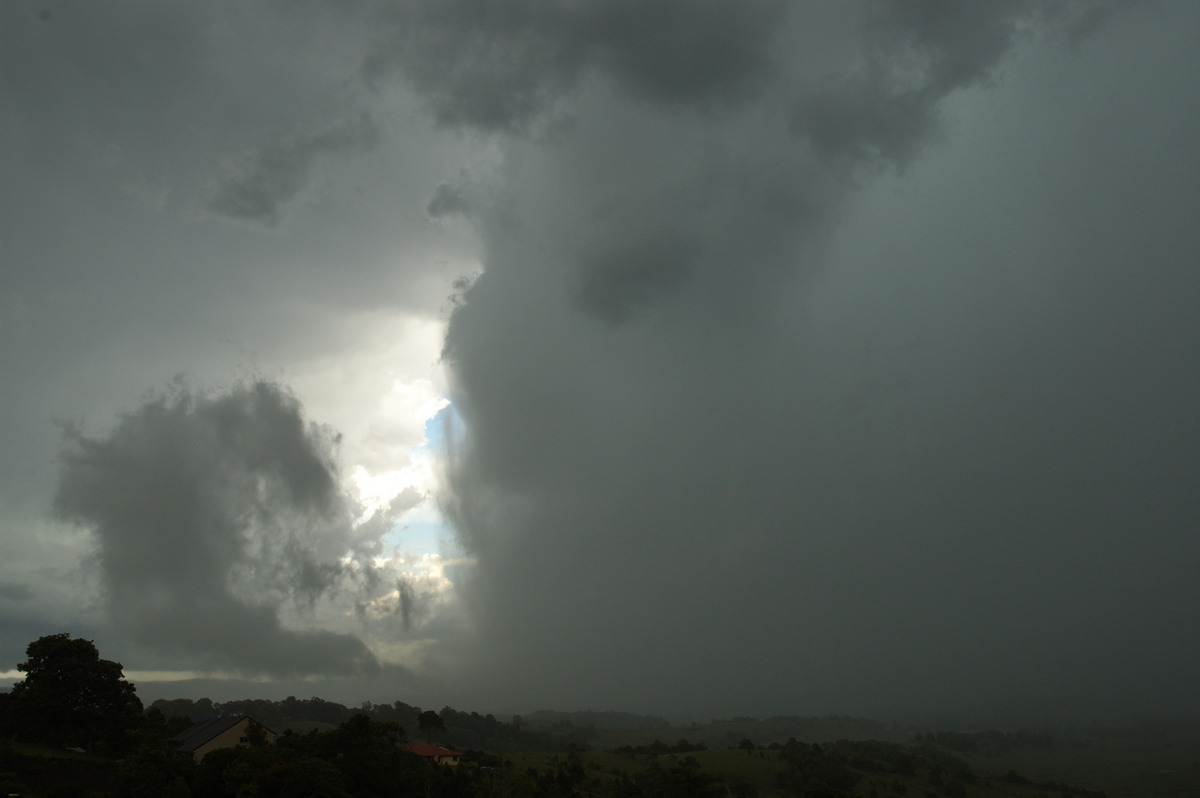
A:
(71, 697)
(303, 778)
(155, 768)
(429, 722)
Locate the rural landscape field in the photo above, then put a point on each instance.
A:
(825, 757)
(75, 727)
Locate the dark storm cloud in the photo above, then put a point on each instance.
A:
(825, 357)
(702, 470)
(623, 276)
(262, 181)
(918, 53)
(500, 66)
(211, 515)
(452, 199)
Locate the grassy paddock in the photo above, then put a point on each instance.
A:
(1125, 771)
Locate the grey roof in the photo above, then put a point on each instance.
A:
(197, 735)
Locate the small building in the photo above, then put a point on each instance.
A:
(436, 753)
(229, 731)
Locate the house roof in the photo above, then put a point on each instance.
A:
(427, 749)
(196, 736)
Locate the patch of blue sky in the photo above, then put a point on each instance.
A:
(422, 536)
(446, 423)
(421, 531)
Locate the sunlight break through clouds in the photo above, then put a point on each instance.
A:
(224, 531)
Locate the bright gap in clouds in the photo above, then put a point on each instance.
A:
(377, 489)
(385, 402)
(390, 456)
(418, 531)
(377, 394)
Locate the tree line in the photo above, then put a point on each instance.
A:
(71, 698)
(465, 729)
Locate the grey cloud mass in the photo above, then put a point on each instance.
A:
(209, 514)
(926, 493)
(917, 54)
(804, 357)
(498, 67)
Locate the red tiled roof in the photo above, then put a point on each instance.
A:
(426, 749)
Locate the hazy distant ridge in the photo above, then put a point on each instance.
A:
(597, 720)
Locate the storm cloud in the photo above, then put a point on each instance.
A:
(781, 357)
(211, 515)
(716, 455)
(502, 67)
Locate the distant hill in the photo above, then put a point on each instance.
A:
(596, 720)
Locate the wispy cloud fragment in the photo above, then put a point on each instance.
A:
(259, 184)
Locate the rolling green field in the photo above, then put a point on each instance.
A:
(1127, 767)
(746, 758)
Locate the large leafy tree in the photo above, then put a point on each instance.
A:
(72, 697)
(430, 723)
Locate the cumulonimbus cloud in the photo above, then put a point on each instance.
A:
(675, 468)
(213, 514)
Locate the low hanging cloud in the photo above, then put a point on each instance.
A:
(214, 516)
(696, 482)
(262, 182)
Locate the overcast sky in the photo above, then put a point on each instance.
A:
(683, 357)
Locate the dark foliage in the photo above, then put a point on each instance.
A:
(659, 747)
(462, 729)
(71, 697)
(813, 771)
(430, 723)
(80, 697)
(990, 741)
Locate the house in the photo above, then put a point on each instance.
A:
(230, 731)
(436, 753)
